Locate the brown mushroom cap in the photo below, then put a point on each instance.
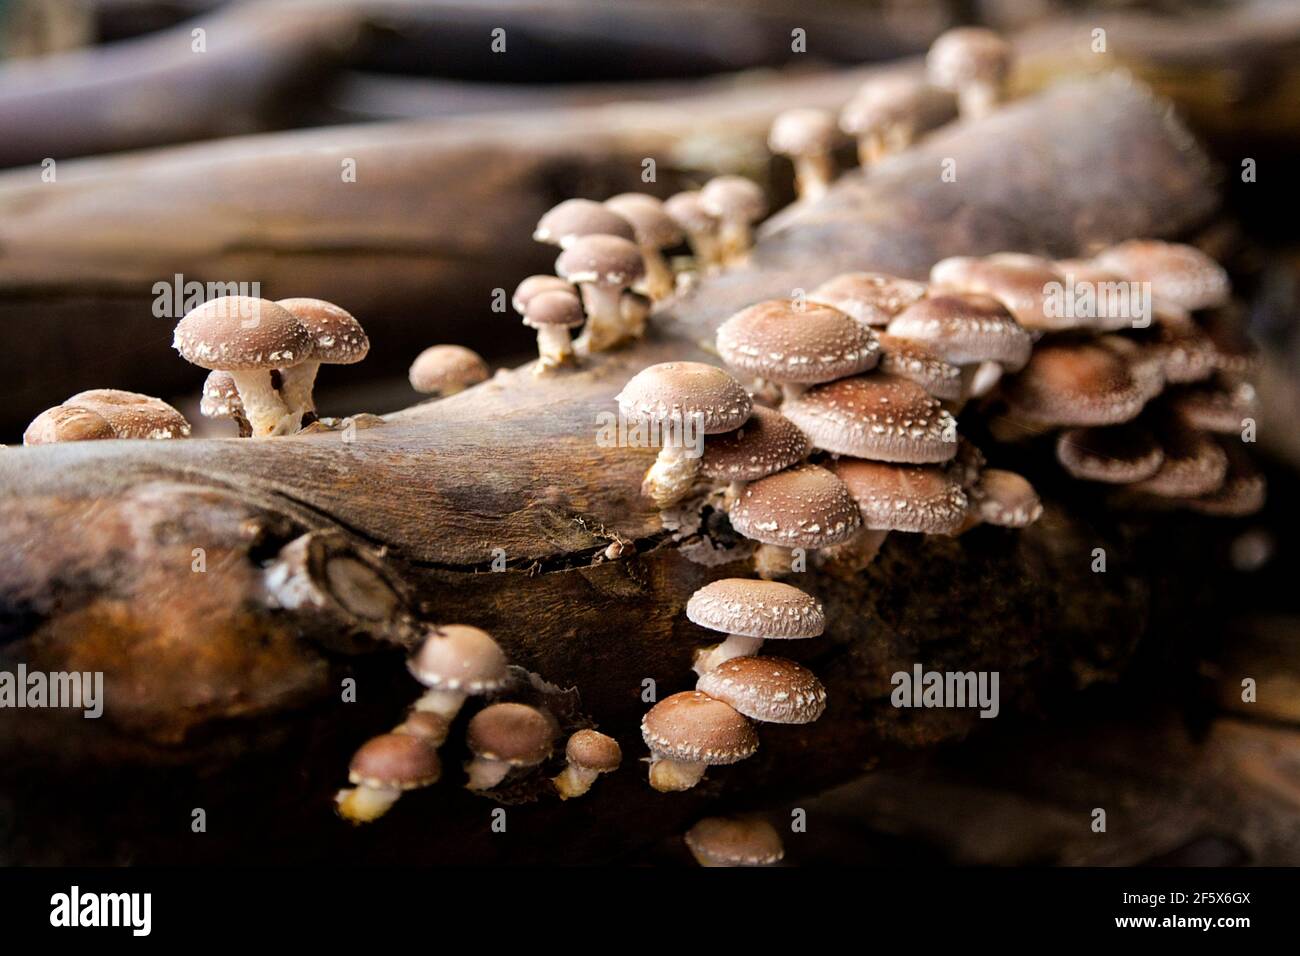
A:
(535, 285)
(1179, 274)
(687, 210)
(716, 841)
(806, 507)
(921, 499)
(789, 342)
(1194, 465)
(1216, 407)
(1184, 351)
(677, 391)
(733, 198)
(337, 338)
(755, 608)
(772, 690)
(650, 223)
(1242, 493)
(575, 218)
(441, 368)
(694, 728)
(460, 658)
(395, 762)
(424, 724)
(1117, 454)
(516, 734)
(875, 416)
(608, 261)
(67, 423)
(917, 363)
(220, 397)
(964, 330)
(591, 750)
(240, 334)
(554, 308)
(1109, 314)
(1019, 282)
(767, 443)
(1006, 499)
(1076, 384)
(802, 131)
(968, 54)
(871, 298)
(884, 101)
(133, 415)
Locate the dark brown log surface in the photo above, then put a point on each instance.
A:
(218, 699)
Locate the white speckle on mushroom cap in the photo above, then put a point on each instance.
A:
(1115, 454)
(805, 506)
(575, 218)
(602, 260)
(772, 690)
(1179, 274)
(765, 444)
(457, 657)
(240, 333)
(964, 330)
(336, 337)
(792, 343)
(875, 416)
(694, 728)
(1076, 384)
(916, 498)
(755, 608)
(917, 363)
(681, 391)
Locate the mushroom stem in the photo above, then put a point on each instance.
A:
(734, 490)
(672, 474)
(734, 242)
(854, 555)
(659, 282)
(365, 804)
(977, 100)
(574, 781)
(872, 149)
(792, 390)
(444, 703)
(979, 380)
(604, 317)
(736, 645)
(485, 773)
(672, 776)
(704, 246)
(265, 408)
(554, 346)
(772, 561)
(296, 385)
(813, 174)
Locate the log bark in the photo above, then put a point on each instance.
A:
(223, 688)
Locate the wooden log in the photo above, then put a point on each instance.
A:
(223, 686)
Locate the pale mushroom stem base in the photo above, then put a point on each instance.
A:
(736, 645)
(813, 176)
(705, 249)
(554, 347)
(265, 408)
(673, 776)
(296, 386)
(604, 308)
(853, 556)
(485, 773)
(671, 476)
(444, 703)
(574, 782)
(977, 100)
(365, 804)
(659, 282)
(734, 243)
(773, 561)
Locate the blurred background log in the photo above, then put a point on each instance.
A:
(218, 699)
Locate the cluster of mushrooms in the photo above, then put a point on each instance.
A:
(836, 425)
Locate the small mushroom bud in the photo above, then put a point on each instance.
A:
(589, 754)
(683, 402)
(745, 841)
(536, 285)
(884, 116)
(221, 400)
(553, 314)
(382, 770)
(750, 612)
(737, 204)
(655, 231)
(457, 661)
(603, 267)
(807, 136)
(504, 737)
(701, 228)
(336, 339)
(973, 63)
(444, 370)
(689, 732)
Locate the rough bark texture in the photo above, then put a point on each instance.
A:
(218, 699)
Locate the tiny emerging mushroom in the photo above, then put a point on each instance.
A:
(589, 753)
(737, 203)
(701, 227)
(454, 662)
(973, 63)
(382, 770)
(915, 362)
(603, 267)
(683, 402)
(655, 230)
(336, 339)
(884, 116)
(221, 400)
(750, 612)
(743, 841)
(573, 219)
(553, 314)
(444, 370)
(689, 732)
(807, 136)
(504, 737)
